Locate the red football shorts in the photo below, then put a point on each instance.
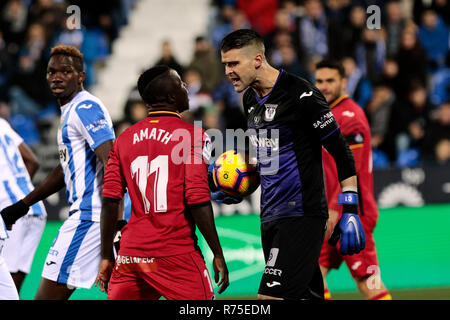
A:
(360, 265)
(180, 277)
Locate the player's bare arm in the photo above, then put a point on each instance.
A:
(52, 184)
(102, 151)
(108, 220)
(29, 158)
(204, 219)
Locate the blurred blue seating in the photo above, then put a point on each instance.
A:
(408, 158)
(26, 127)
(380, 159)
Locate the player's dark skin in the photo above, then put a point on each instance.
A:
(176, 100)
(65, 80)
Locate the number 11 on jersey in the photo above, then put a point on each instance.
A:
(142, 169)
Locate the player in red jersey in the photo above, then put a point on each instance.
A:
(161, 161)
(331, 81)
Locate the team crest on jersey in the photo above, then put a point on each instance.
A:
(257, 120)
(271, 109)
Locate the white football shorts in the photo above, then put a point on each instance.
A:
(74, 257)
(8, 289)
(22, 243)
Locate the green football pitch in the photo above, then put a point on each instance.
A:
(412, 243)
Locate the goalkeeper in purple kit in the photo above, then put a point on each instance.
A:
(293, 203)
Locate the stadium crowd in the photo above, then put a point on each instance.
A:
(28, 29)
(398, 71)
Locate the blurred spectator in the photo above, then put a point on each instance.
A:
(229, 105)
(29, 92)
(120, 126)
(289, 62)
(395, 22)
(13, 23)
(283, 25)
(342, 29)
(416, 115)
(370, 54)
(358, 86)
(440, 84)
(390, 75)
(437, 139)
(433, 35)
(133, 110)
(442, 7)
(5, 111)
(346, 32)
(138, 111)
(168, 59)
(411, 60)
(229, 19)
(313, 30)
(382, 112)
(70, 37)
(95, 48)
(201, 105)
(6, 69)
(49, 14)
(260, 14)
(207, 62)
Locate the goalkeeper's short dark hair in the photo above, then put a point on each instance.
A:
(242, 38)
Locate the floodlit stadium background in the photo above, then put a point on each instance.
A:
(120, 39)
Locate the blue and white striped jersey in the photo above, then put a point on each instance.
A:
(85, 125)
(15, 182)
(3, 232)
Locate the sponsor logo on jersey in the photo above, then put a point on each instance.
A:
(324, 121)
(84, 106)
(263, 142)
(356, 265)
(97, 125)
(273, 284)
(306, 94)
(271, 109)
(63, 153)
(349, 114)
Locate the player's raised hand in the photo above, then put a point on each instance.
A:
(220, 267)
(104, 274)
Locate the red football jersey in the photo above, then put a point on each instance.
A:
(355, 128)
(160, 161)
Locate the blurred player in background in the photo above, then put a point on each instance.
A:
(169, 193)
(85, 137)
(293, 203)
(330, 80)
(18, 164)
